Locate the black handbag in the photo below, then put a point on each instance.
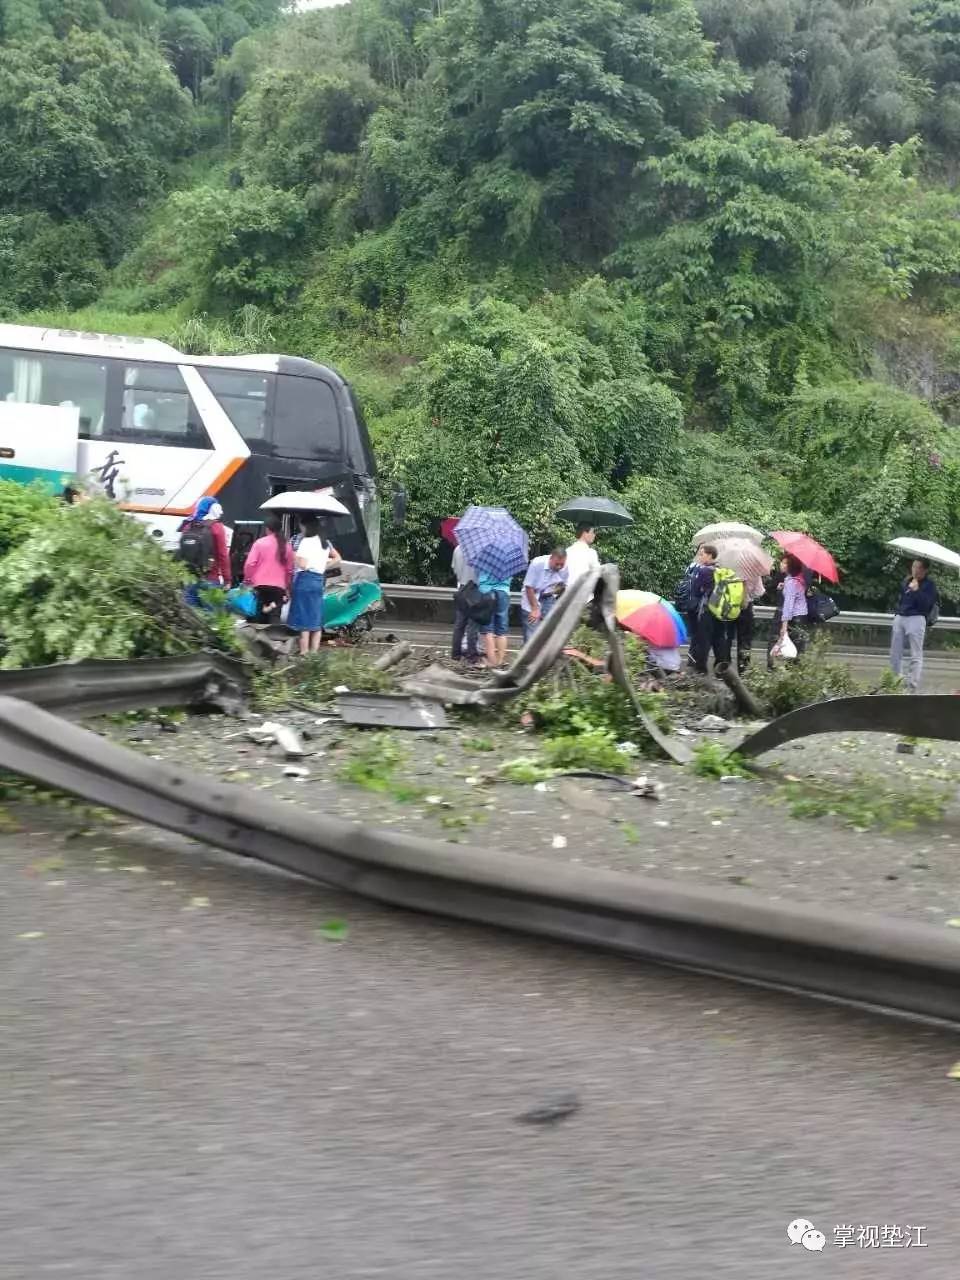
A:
(821, 607)
(478, 605)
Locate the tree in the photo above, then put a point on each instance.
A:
(85, 121)
(291, 122)
(242, 245)
(550, 105)
(190, 45)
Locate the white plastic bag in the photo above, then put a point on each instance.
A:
(784, 648)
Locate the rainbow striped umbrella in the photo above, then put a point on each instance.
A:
(651, 618)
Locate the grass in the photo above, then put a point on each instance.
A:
(712, 760)
(315, 678)
(374, 768)
(594, 750)
(134, 324)
(864, 804)
(524, 770)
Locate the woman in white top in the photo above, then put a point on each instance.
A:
(313, 558)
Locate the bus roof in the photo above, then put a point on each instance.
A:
(76, 342)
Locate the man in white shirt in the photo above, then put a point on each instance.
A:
(582, 555)
(542, 587)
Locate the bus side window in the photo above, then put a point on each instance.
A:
(158, 408)
(243, 397)
(306, 419)
(38, 377)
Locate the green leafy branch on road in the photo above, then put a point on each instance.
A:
(713, 760)
(374, 765)
(316, 678)
(864, 803)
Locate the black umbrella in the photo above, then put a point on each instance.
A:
(595, 511)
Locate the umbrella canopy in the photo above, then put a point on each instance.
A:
(725, 529)
(651, 618)
(493, 542)
(448, 529)
(596, 511)
(321, 500)
(921, 549)
(748, 561)
(809, 552)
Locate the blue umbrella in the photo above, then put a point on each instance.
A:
(493, 543)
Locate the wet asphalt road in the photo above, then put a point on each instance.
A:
(198, 1085)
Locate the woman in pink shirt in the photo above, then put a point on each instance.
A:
(269, 569)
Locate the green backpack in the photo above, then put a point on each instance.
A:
(728, 595)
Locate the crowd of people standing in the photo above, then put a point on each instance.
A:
(796, 593)
(544, 582)
(281, 572)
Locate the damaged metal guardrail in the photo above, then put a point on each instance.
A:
(882, 964)
(97, 687)
(538, 655)
(927, 715)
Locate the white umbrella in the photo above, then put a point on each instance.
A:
(924, 550)
(725, 529)
(748, 561)
(318, 500)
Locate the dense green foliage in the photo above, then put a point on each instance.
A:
(88, 582)
(698, 254)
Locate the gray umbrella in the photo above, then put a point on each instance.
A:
(595, 511)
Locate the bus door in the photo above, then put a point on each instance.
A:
(347, 533)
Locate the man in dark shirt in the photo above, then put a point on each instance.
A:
(918, 599)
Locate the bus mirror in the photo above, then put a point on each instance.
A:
(399, 506)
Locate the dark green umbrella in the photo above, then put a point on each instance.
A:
(595, 511)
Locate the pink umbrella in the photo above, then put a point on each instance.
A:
(448, 529)
(809, 552)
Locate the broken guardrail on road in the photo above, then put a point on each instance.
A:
(542, 651)
(886, 965)
(95, 687)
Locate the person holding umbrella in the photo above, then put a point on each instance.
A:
(589, 514)
(581, 555)
(793, 610)
(313, 557)
(497, 549)
(919, 599)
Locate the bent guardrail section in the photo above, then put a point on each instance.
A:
(884, 964)
(542, 650)
(100, 686)
(925, 715)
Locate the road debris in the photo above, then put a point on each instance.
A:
(333, 931)
(553, 1110)
(272, 732)
(647, 788)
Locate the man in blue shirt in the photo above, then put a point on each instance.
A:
(917, 607)
(542, 587)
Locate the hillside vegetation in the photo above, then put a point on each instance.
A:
(702, 256)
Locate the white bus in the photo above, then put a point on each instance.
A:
(158, 429)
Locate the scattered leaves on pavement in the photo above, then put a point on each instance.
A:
(333, 931)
